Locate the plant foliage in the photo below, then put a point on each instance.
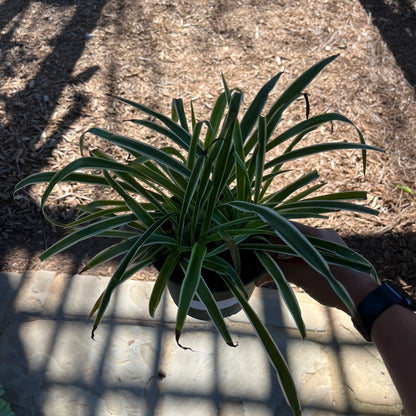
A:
(209, 193)
(4, 406)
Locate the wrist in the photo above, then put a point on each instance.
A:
(362, 290)
(357, 284)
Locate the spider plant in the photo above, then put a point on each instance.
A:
(195, 208)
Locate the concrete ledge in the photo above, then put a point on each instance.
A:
(49, 364)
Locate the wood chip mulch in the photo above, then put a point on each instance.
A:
(60, 60)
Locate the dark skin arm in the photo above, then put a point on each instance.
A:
(394, 331)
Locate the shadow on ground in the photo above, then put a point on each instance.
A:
(124, 370)
(396, 21)
(135, 367)
(392, 254)
(29, 111)
(31, 108)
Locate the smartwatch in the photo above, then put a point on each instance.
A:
(376, 302)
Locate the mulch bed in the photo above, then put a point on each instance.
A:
(60, 60)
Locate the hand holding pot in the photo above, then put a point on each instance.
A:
(301, 274)
(394, 331)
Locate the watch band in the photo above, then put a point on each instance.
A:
(376, 302)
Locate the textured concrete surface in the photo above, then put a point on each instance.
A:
(49, 365)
